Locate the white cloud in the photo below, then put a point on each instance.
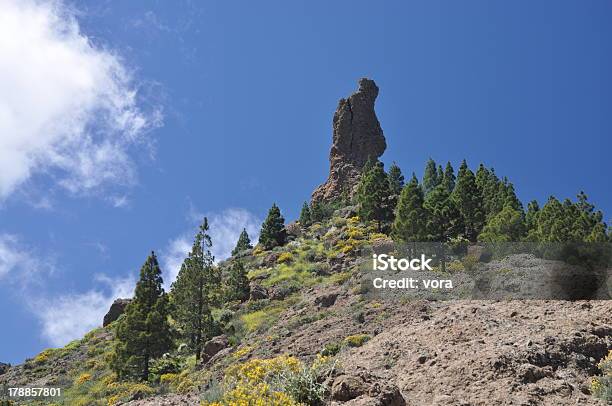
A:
(225, 227)
(18, 263)
(68, 108)
(67, 317)
(172, 258)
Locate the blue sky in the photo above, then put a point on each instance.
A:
(123, 123)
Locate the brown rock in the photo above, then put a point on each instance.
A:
(347, 387)
(258, 292)
(326, 300)
(116, 310)
(293, 229)
(357, 136)
(215, 344)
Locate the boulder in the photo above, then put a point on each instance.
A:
(348, 387)
(4, 367)
(386, 395)
(116, 310)
(215, 344)
(270, 259)
(258, 292)
(326, 300)
(294, 229)
(357, 137)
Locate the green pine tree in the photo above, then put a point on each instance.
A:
(374, 196)
(243, 243)
(237, 284)
(506, 226)
(444, 219)
(396, 183)
(195, 292)
(396, 179)
(430, 177)
(305, 217)
(468, 199)
(143, 333)
(317, 213)
(410, 216)
(449, 178)
(531, 220)
(273, 229)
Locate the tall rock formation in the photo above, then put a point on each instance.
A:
(357, 137)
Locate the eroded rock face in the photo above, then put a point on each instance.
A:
(357, 137)
(116, 310)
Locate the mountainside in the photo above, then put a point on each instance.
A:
(306, 327)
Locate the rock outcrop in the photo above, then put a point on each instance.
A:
(357, 137)
(116, 310)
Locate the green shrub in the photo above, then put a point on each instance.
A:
(601, 386)
(357, 340)
(285, 257)
(331, 349)
(165, 365)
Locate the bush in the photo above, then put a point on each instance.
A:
(357, 340)
(280, 381)
(84, 377)
(285, 257)
(601, 386)
(165, 365)
(331, 349)
(43, 356)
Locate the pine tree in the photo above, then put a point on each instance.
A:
(143, 333)
(440, 174)
(396, 179)
(482, 176)
(273, 229)
(511, 199)
(244, 243)
(468, 199)
(396, 183)
(506, 226)
(449, 178)
(195, 292)
(305, 218)
(237, 286)
(430, 177)
(444, 219)
(410, 217)
(316, 212)
(373, 196)
(531, 220)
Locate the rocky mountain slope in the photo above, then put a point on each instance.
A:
(309, 310)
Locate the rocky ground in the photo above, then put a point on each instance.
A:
(457, 353)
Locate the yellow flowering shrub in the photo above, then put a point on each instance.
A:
(242, 351)
(258, 250)
(355, 233)
(279, 381)
(378, 236)
(356, 340)
(84, 377)
(43, 356)
(168, 379)
(285, 257)
(601, 386)
(122, 391)
(353, 221)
